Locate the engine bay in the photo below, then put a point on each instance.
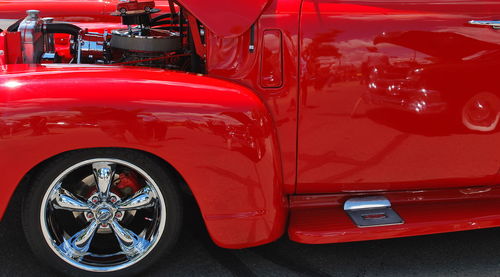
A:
(164, 41)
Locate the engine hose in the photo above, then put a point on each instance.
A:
(169, 28)
(14, 27)
(63, 28)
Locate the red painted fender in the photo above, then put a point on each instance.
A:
(218, 135)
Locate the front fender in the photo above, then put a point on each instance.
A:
(218, 135)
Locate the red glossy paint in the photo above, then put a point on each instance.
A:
(397, 96)
(3, 47)
(231, 59)
(339, 98)
(332, 225)
(218, 135)
(226, 18)
(271, 73)
(82, 11)
(319, 219)
(11, 45)
(66, 10)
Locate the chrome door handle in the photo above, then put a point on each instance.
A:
(495, 24)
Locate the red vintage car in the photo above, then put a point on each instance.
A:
(133, 5)
(329, 120)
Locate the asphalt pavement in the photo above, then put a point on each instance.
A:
(473, 253)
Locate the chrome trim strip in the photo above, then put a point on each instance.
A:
(495, 24)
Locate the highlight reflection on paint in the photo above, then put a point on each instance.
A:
(12, 84)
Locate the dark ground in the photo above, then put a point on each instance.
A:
(474, 253)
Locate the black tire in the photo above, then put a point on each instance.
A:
(31, 215)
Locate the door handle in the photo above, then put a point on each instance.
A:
(495, 24)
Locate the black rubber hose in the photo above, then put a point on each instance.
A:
(62, 28)
(170, 28)
(160, 23)
(14, 27)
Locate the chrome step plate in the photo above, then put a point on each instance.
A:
(371, 211)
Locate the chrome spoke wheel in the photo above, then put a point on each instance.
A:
(63, 199)
(103, 215)
(78, 245)
(131, 244)
(144, 198)
(104, 173)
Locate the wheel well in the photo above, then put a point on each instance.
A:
(23, 186)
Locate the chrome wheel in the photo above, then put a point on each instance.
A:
(103, 215)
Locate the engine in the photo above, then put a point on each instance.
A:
(160, 42)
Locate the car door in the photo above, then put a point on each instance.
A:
(398, 95)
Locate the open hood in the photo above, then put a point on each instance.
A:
(226, 18)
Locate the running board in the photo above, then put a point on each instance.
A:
(317, 219)
(371, 211)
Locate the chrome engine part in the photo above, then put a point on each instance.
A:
(49, 38)
(152, 59)
(146, 47)
(146, 42)
(157, 40)
(32, 38)
(94, 48)
(37, 37)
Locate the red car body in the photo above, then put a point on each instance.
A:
(338, 99)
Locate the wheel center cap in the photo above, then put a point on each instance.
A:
(104, 214)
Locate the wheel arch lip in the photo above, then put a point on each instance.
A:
(219, 136)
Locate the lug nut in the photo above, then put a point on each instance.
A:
(104, 225)
(113, 199)
(118, 215)
(90, 216)
(94, 200)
